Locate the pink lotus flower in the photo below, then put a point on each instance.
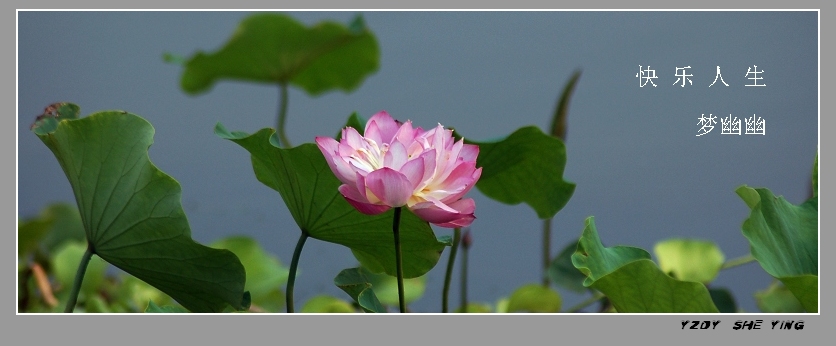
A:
(396, 165)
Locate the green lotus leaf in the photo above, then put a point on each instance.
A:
(527, 166)
(777, 298)
(275, 48)
(595, 260)
(309, 189)
(640, 287)
(131, 210)
(689, 259)
(355, 283)
(805, 288)
(632, 282)
(784, 239)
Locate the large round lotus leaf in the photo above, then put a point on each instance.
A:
(275, 48)
(131, 210)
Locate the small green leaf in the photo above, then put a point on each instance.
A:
(527, 166)
(353, 282)
(327, 304)
(153, 308)
(309, 189)
(534, 298)
(595, 260)
(632, 282)
(689, 259)
(563, 273)
(275, 48)
(784, 239)
(777, 298)
(131, 210)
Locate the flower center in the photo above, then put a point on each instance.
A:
(369, 157)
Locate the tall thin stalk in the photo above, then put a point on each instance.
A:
(558, 129)
(294, 263)
(449, 273)
(399, 261)
(734, 262)
(282, 116)
(465, 241)
(547, 241)
(79, 276)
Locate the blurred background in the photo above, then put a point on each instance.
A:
(640, 168)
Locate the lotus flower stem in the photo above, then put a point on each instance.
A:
(79, 276)
(282, 116)
(547, 241)
(466, 241)
(558, 129)
(398, 260)
(449, 274)
(291, 279)
(734, 262)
